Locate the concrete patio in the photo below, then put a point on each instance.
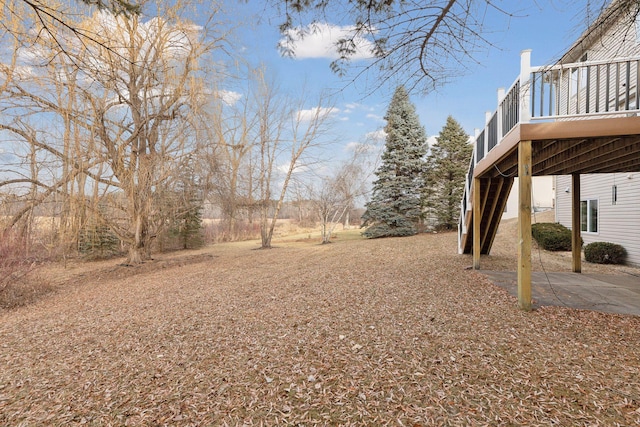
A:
(607, 293)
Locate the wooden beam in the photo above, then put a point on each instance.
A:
(508, 145)
(594, 128)
(631, 165)
(581, 156)
(489, 210)
(477, 212)
(576, 242)
(563, 147)
(524, 225)
(503, 197)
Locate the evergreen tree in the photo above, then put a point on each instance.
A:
(187, 219)
(96, 240)
(447, 165)
(395, 208)
(178, 207)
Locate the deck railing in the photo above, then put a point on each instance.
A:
(576, 91)
(585, 89)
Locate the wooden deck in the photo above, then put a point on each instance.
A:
(596, 136)
(557, 148)
(568, 147)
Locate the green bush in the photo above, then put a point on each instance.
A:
(98, 242)
(605, 253)
(552, 236)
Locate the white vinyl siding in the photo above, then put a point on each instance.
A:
(563, 200)
(619, 221)
(619, 41)
(617, 195)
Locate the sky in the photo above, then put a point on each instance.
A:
(548, 27)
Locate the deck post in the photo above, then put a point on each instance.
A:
(476, 223)
(525, 91)
(576, 241)
(524, 225)
(487, 119)
(501, 93)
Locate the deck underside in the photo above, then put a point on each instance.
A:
(558, 148)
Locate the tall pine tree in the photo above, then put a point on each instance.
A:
(447, 165)
(395, 208)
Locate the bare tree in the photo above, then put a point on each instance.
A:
(286, 132)
(233, 125)
(135, 107)
(143, 118)
(338, 193)
(37, 125)
(420, 44)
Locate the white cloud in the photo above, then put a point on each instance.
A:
(319, 112)
(432, 140)
(360, 147)
(24, 72)
(374, 117)
(283, 168)
(377, 136)
(319, 41)
(229, 97)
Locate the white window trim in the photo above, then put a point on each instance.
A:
(589, 200)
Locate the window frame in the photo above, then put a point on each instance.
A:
(586, 218)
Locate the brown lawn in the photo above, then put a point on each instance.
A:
(381, 332)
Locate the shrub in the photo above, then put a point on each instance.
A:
(97, 241)
(552, 236)
(604, 253)
(18, 284)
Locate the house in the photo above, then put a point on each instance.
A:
(576, 118)
(609, 209)
(609, 203)
(544, 196)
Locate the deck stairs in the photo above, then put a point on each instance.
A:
(493, 196)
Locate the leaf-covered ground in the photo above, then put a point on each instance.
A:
(380, 332)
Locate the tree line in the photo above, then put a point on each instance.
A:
(417, 187)
(125, 134)
(121, 119)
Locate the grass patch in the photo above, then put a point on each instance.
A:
(23, 291)
(350, 234)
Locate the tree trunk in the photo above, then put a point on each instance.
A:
(140, 246)
(326, 232)
(266, 233)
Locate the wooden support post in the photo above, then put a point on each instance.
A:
(524, 225)
(576, 241)
(477, 216)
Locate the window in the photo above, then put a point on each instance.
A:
(589, 216)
